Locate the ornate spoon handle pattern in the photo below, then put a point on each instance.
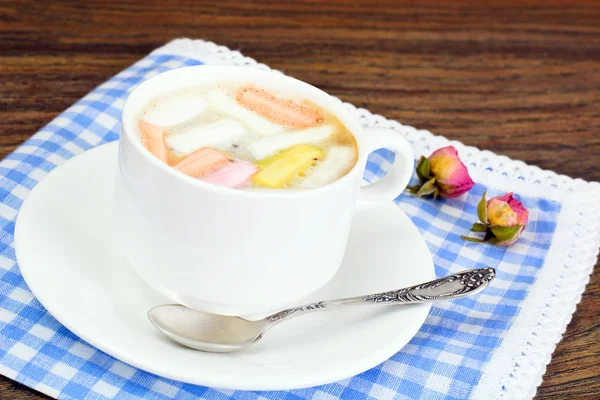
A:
(454, 286)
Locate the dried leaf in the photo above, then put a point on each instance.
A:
(470, 239)
(427, 188)
(482, 209)
(423, 169)
(413, 189)
(505, 233)
(477, 227)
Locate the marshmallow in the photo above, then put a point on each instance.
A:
(202, 162)
(225, 104)
(152, 137)
(220, 134)
(267, 147)
(232, 175)
(282, 111)
(338, 161)
(287, 166)
(173, 110)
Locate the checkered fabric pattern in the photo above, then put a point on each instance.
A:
(444, 360)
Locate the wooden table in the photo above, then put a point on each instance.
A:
(521, 80)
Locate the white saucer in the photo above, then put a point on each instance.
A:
(63, 245)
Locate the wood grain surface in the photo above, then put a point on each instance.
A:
(517, 78)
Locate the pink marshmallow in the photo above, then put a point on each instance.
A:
(232, 175)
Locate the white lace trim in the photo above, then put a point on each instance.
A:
(517, 367)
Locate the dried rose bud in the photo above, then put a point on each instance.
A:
(442, 174)
(503, 219)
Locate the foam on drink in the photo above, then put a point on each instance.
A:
(245, 137)
(173, 110)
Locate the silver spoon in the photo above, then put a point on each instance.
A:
(223, 334)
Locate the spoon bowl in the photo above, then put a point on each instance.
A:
(204, 331)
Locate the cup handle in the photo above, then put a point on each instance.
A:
(398, 177)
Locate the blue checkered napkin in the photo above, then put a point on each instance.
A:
(483, 347)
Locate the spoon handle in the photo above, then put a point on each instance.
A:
(454, 286)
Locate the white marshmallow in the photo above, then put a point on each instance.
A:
(173, 110)
(218, 134)
(267, 147)
(224, 103)
(338, 160)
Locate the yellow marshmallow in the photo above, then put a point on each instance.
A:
(286, 166)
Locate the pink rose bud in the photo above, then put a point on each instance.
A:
(442, 174)
(503, 219)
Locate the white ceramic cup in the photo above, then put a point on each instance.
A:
(240, 252)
